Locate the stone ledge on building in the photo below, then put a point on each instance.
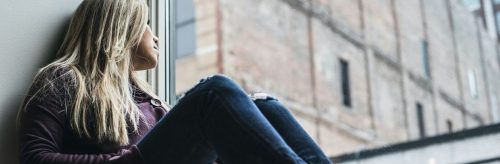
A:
(449, 138)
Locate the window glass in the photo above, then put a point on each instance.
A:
(185, 28)
(346, 93)
(497, 17)
(449, 125)
(472, 83)
(347, 54)
(471, 4)
(421, 121)
(184, 11)
(425, 58)
(186, 40)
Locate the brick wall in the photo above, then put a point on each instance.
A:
(291, 49)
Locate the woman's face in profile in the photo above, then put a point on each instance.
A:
(146, 56)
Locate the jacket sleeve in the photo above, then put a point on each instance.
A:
(42, 133)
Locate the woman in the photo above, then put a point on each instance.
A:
(88, 106)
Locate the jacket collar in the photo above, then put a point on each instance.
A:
(139, 95)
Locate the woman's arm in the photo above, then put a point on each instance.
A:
(42, 134)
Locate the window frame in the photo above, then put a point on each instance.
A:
(162, 78)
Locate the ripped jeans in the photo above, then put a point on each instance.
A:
(217, 120)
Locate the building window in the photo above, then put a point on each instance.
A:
(420, 119)
(494, 107)
(471, 5)
(472, 83)
(425, 58)
(497, 18)
(496, 2)
(160, 78)
(449, 125)
(185, 28)
(346, 92)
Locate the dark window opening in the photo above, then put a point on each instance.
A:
(425, 58)
(449, 124)
(420, 117)
(346, 92)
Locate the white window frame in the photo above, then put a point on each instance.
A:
(162, 78)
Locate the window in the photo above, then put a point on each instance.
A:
(346, 93)
(496, 2)
(472, 83)
(159, 77)
(248, 40)
(420, 118)
(489, 22)
(472, 5)
(497, 18)
(185, 28)
(425, 58)
(494, 108)
(449, 125)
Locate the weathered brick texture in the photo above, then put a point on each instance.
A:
(291, 49)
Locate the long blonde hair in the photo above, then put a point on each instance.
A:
(97, 54)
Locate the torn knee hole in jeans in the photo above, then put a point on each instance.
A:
(261, 96)
(202, 80)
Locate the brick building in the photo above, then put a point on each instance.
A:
(357, 74)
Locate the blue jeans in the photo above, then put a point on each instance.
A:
(216, 119)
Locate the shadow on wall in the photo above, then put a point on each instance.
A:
(8, 153)
(8, 136)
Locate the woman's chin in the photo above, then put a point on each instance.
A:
(145, 67)
(150, 67)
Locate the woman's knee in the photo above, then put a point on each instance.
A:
(266, 101)
(222, 83)
(220, 78)
(218, 83)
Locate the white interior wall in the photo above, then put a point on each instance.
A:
(30, 34)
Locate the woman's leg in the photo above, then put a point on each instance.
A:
(289, 129)
(215, 118)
